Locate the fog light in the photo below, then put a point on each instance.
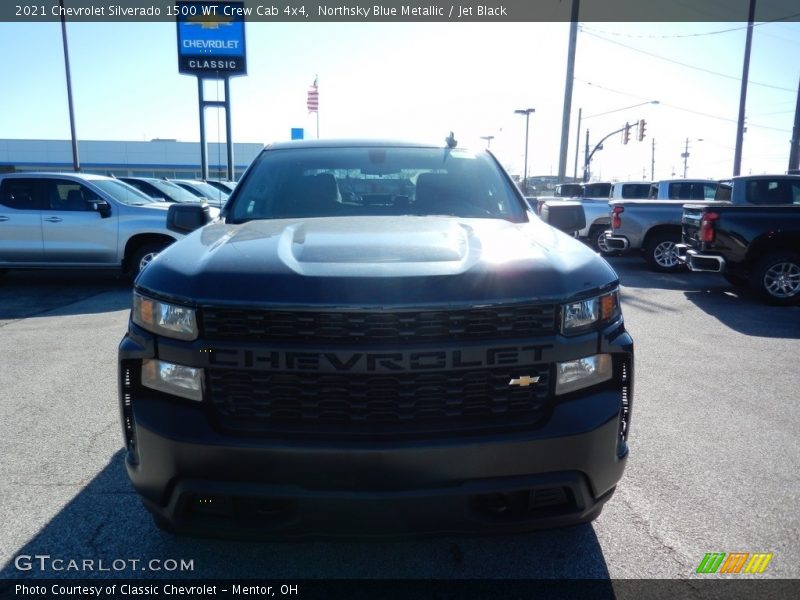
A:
(186, 382)
(584, 372)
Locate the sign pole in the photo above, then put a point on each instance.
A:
(228, 129)
(203, 148)
(209, 50)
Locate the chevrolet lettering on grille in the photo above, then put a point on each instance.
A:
(372, 362)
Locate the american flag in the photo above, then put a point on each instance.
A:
(313, 97)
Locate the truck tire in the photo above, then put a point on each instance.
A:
(142, 256)
(776, 278)
(661, 254)
(597, 240)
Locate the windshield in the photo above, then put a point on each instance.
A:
(375, 181)
(208, 191)
(176, 192)
(122, 192)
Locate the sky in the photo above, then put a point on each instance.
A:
(421, 81)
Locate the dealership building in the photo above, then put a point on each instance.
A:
(156, 158)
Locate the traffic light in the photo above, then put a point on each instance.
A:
(626, 135)
(641, 129)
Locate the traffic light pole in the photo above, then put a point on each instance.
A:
(596, 148)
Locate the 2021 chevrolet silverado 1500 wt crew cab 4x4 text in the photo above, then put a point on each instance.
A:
(376, 337)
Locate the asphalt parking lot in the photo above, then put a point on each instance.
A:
(714, 464)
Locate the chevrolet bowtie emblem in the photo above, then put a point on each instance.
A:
(524, 381)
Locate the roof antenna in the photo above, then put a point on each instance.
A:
(451, 141)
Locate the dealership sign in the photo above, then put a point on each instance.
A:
(211, 39)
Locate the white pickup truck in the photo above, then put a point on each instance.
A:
(75, 220)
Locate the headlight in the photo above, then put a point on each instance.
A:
(584, 314)
(178, 380)
(577, 374)
(165, 319)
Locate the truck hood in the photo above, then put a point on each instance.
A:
(369, 261)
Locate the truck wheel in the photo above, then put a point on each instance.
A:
(661, 253)
(777, 278)
(597, 239)
(143, 255)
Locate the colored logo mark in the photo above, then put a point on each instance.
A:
(734, 562)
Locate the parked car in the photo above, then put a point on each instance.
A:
(225, 186)
(203, 190)
(630, 190)
(752, 237)
(161, 189)
(53, 220)
(568, 190)
(596, 190)
(683, 189)
(378, 337)
(654, 226)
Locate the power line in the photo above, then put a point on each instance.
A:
(689, 110)
(686, 35)
(688, 66)
(659, 37)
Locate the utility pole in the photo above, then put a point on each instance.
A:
(76, 163)
(653, 161)
(737, 156)
(685, 156)
(794, 152)
(586, 158)
(573, 41)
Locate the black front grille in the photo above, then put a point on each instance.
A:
(381, 327)
(454, 400)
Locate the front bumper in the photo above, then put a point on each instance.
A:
(196, 479)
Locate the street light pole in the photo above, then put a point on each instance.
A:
(527, 112)
(488, 139)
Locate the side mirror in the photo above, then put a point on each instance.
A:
(101, 206)
(186, 217)
(566, 216)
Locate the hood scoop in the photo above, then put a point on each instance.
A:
(331, 245)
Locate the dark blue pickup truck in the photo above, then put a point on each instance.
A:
(375, 338)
